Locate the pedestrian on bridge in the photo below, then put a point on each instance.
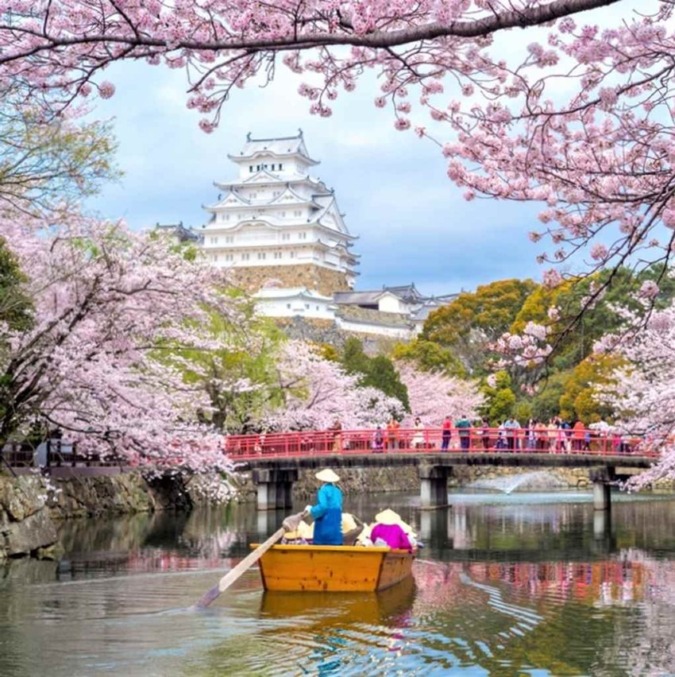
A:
(392, 433)
(464, 431)
(446, 433)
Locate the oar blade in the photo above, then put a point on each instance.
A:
(229, 578)
(208, 597)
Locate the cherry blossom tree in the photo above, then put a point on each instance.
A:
(108, 306)
(574, 114)
(45, 164)
(317, 391)
(644, 391)
(433, 395)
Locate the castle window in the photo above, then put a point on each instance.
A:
(302, 236)
(288, 305)
(245, 257)
(213, 239)
(229, 257)
(277, 255)
(307, 306)
(285, 236)
(280, 166)
(250, 169)
(292, 254)
(261, 256)
(297, 212)
(229, 238)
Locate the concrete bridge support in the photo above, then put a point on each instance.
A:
(602, 479)
(434, 486)
(274, 487)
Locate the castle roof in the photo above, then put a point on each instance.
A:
(280, 146)
(179, 231)
(289, 293)
(264, 176)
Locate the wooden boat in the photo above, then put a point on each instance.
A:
(331, 568)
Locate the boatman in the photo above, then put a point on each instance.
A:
(327, 513)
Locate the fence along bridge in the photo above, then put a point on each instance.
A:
(275, 459)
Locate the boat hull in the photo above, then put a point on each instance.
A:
(326, 568)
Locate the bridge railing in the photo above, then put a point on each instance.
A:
(432, 440)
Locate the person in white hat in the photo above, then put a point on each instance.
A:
(389, 530)
(327, 513)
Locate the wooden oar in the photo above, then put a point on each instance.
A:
(232, 575)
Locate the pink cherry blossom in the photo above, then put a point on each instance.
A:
(111, 309)
(579, 121)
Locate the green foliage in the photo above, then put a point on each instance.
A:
(377, 372)
(16, 308)
(44, 163)
(574, 334)
(578, 400)
(469, 324)
(429, 356)
(329, 352)
(499, 398)
(242, 380)
(546, 403)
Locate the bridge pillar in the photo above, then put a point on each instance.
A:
(434, 486)
(602, 479)
(274, 487)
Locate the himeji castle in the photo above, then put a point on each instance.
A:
(275, 224)
(281, 233)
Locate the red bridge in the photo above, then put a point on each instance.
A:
(587, 442)
(276, 458)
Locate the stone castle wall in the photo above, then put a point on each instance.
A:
(313, 277)
(318, 330)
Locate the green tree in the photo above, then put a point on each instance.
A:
(48, 162)
(578, 400)
(241, 381)
(546, 401)
(499, 398)
(377, 372)
(429, 356)
(16, 308)
(474, 320)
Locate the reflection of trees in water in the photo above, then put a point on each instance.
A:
(653, 651)
(106, 533)
(621, 580)
(632, 625)
(162, 541)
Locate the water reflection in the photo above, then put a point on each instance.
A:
(523, 584)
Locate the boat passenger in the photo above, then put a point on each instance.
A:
(327, 513)
(389, 529)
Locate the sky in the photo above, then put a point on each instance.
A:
(412, 223)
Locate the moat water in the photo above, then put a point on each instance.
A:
(507, 584)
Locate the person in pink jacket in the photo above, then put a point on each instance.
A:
(388, 530)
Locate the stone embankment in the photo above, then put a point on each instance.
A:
(31, 505)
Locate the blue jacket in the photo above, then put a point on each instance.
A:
(327, 516)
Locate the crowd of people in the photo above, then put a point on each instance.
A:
(555, 435)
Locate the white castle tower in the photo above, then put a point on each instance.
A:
(277, 223)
